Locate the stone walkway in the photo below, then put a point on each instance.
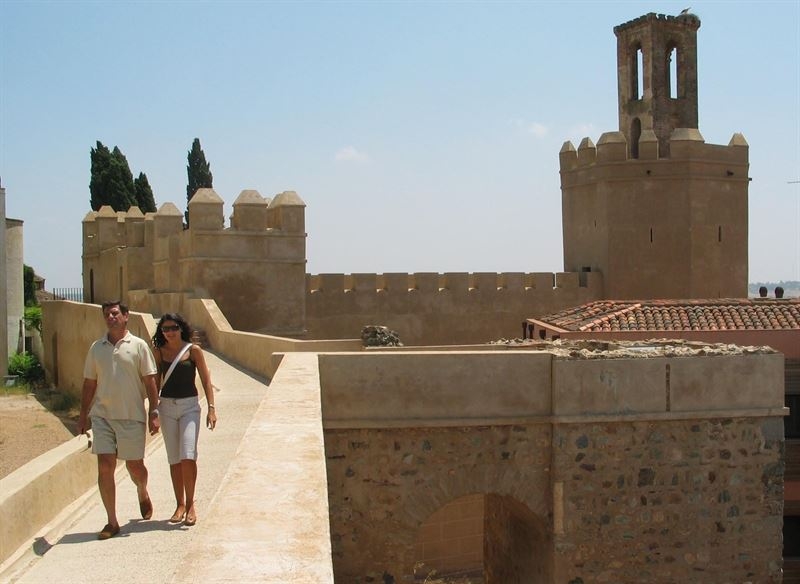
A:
(146, 551)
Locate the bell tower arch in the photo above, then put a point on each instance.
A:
(657, 77)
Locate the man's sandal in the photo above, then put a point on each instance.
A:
(108, 532)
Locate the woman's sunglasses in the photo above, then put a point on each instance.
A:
(170, 328)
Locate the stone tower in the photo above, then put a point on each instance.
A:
(653, 207)
(657, 77)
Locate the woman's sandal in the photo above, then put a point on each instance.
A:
(178, 516)
(191, 518)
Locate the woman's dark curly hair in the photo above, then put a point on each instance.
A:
(186, 330)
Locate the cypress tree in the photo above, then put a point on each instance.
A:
(122, 192)
(111, 181)
(101, 161)
(144, 194)
(198, 173)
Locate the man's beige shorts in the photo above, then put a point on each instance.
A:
(125, 438)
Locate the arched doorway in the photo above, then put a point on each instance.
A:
(483, 539)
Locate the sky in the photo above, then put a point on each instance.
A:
(423, 136)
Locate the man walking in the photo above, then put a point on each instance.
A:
(119, 372)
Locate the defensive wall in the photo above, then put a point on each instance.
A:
(69, 329)
(255, 271)
(434, 309)
(656, 227)
(643, 465)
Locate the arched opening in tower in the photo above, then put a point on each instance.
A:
(672, 71)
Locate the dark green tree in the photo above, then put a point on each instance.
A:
(198, 172)
(144, 194)
(29, 286)
(111, 180)
(123, 193)
(98, 184)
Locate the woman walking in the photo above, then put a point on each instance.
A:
(179, 409)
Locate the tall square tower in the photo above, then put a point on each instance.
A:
(653, 207)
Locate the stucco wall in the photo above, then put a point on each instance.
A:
(15, 286)
(69, 328)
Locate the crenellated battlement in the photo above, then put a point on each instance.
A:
(258, 261)
(449, 282)
(108, 229)
(686, 145)
(688, 20)
(440, 308)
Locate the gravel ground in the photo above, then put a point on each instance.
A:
(28, 429)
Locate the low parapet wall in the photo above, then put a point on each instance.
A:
(34, 494)
(413, 388)
(71, 327)
(446, 308)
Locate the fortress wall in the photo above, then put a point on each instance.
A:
(255, 269)
(69, 328)
(695, 500)
(606, 455)
(446, 308)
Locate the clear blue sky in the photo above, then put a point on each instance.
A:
(423, 136)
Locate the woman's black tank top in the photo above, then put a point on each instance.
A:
(181, 381)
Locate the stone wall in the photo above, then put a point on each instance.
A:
(384, 483)
(594, 466)
(438, 309)
(671, 501)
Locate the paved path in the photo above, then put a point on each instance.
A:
(148, 551)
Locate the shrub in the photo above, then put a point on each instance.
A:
(33, 317)
(26, 366)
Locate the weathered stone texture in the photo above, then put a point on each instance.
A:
(655, 501)
(679, 501)
(384, 483)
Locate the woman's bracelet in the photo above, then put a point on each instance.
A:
(212, 406)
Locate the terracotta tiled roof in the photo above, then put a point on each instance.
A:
(679, 315)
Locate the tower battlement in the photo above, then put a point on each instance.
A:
(687, 145)
(688, 20)
(255, 266)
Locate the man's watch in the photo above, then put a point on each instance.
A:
(154, 412)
